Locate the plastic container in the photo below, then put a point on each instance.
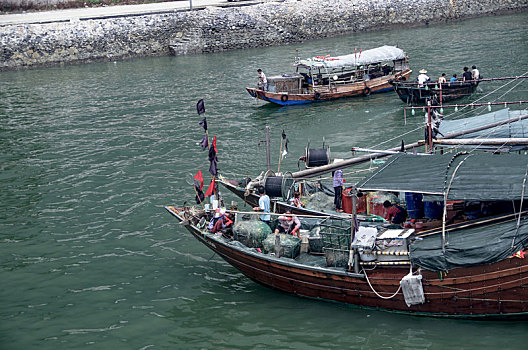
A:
(433, 210)
(415, 205)
(347, 201)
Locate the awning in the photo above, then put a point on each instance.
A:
(511, 130)
(380, 54)
(473, 176)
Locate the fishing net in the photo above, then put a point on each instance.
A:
(290, 246)
(251, 233)
(320, 202)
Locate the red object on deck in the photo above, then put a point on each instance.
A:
(348, 207)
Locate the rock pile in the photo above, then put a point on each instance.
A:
(218, 29)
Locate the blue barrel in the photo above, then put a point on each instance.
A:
(415, 205)
(433, 210)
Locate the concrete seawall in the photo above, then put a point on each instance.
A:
(217, 29)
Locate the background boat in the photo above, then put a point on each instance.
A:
(327, 78)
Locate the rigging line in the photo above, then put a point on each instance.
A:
(396, 137)
(520, 81)
(460, 115)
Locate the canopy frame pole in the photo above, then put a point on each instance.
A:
(520, 207)
(445, 202)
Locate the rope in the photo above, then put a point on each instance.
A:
(381, 296)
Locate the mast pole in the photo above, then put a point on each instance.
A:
(268, 150)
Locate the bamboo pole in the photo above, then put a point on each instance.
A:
(307, 173)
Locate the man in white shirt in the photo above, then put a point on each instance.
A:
(475, 73)
(263, 81)
(422, 78)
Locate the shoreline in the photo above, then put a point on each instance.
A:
(215, 29)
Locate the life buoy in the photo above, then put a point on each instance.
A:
(284, 98)
(317, 95)
(366, 91)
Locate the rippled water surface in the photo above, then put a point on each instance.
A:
(91, 154)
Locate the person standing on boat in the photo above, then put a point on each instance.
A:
(453, 78)
(442, 79)
(338, 189)
(466, 76)
(262, 80)
(289, 224)
(422, 78)
(395, 213)
(475, 73)
(264, 206)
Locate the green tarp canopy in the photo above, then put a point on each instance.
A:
(469, 177)
(470, 247)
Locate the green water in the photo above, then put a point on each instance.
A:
(91, 154)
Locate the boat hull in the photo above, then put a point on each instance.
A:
(411, 93)
(360, 88)
(496, 291)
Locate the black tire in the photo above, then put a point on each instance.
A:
(284, 98)
(366, 91)
(317, 95)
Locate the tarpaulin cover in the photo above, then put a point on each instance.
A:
(380, 54)
(477, 176)
(518, 129)
(470, 247)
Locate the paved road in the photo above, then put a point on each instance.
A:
(112, 11)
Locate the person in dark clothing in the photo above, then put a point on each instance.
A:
(395, 213)
(338, 189)
(467, 76)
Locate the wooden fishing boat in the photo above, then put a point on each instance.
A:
(326, 78)
(411, 92)
(472, 268)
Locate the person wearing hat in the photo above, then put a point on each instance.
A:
(222, 221)
(422, 78)
(289, 224)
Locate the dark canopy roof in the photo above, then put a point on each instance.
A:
(477, 176)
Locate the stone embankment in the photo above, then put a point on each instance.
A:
(217, 29)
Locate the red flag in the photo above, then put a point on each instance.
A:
(211, 188)
(214, 144)
(199, 178)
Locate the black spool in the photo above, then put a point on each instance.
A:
(273, 186)
(317, 157)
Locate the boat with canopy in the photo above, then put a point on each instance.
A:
(462, 264)
(324, 78)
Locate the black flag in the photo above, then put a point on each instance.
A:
(205, 142)
(203, 123)
(200, 108)
(212, 158)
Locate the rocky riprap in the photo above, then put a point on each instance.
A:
(217, 29)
